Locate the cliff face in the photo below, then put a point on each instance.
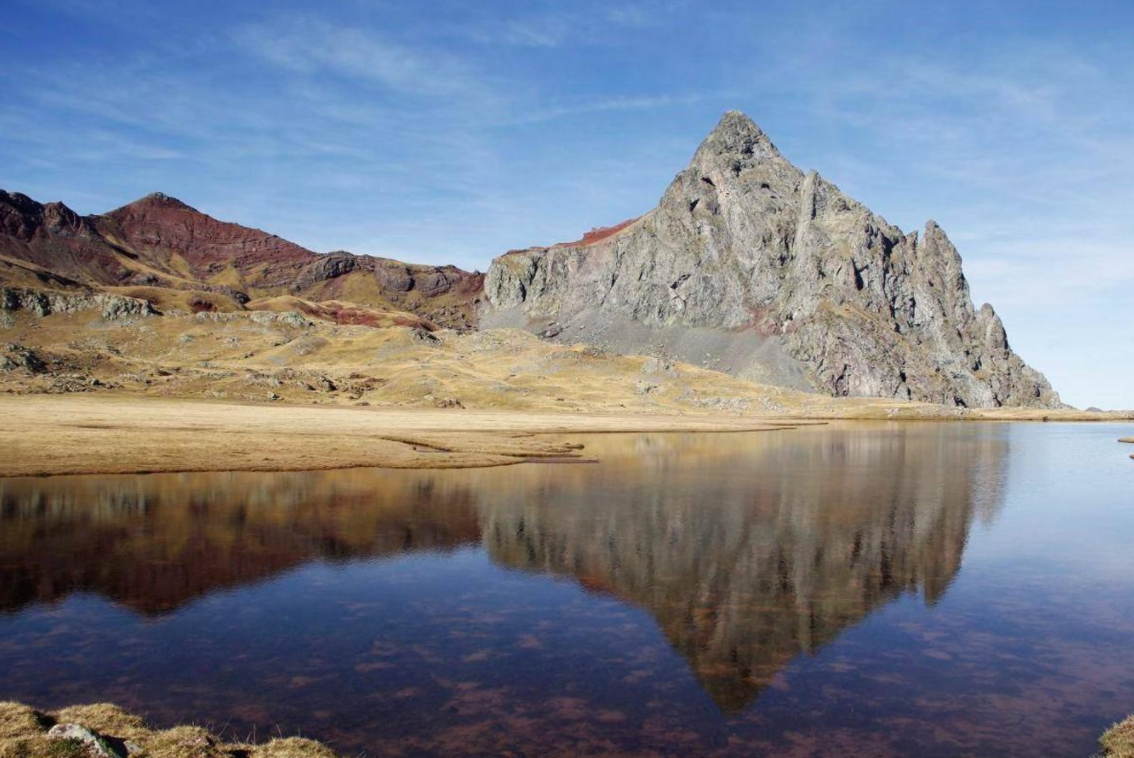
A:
(749, 265)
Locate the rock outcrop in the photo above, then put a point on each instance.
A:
(444, 295)
(751, 266)
(44, 303)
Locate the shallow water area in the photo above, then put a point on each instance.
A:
(852, 589)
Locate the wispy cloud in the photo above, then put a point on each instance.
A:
(557, 24)
(548, 31)
(603, 105)
(1030, 142)
(314, 46)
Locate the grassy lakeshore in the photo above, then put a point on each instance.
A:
(260, 357)
(103, 434)
(109, 730)
(116, 433)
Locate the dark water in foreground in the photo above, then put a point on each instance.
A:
(871, 589)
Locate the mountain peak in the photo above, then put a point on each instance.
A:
(738, 121)
(791, 277)
(739, 133)
(159, 200)
(735, 146)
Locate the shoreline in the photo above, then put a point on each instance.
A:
(1118, 740)
(80, 731)
(51, 435)
(105, 433)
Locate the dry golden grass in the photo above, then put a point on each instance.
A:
(108, 400)
(17, 720)
(23, 734)
(72, 434)
(103, 718)
(1118, 741)
(17, 273)
(166, 300)
(336, 311)
(293, 747)
(257, 357)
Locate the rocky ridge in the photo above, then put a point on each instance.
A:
(161, 242)
(751, 266)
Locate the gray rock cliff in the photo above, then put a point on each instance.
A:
(751, 266)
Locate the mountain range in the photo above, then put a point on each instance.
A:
(160, 243)
(748, 265)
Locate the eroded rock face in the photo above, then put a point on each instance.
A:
(15, 357)
(810, 284)
(114, 307)
(324, 268)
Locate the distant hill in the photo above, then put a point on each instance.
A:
(160, 242)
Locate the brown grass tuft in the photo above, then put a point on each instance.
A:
(18, 720)
(184, 742)
(23, 734)
(103, 718)
(292, 747)
(1118, 741)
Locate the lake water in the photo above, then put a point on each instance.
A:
(865, 589)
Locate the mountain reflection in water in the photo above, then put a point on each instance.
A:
(747, 552)
(154, 543)
(747, 561)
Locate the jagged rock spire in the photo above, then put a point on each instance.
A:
(803, 286)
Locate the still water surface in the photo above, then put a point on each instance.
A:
(869, 589)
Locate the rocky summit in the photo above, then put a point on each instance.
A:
(751, 266)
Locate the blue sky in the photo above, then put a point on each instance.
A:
(453, 131)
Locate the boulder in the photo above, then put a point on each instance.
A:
(91, 742)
